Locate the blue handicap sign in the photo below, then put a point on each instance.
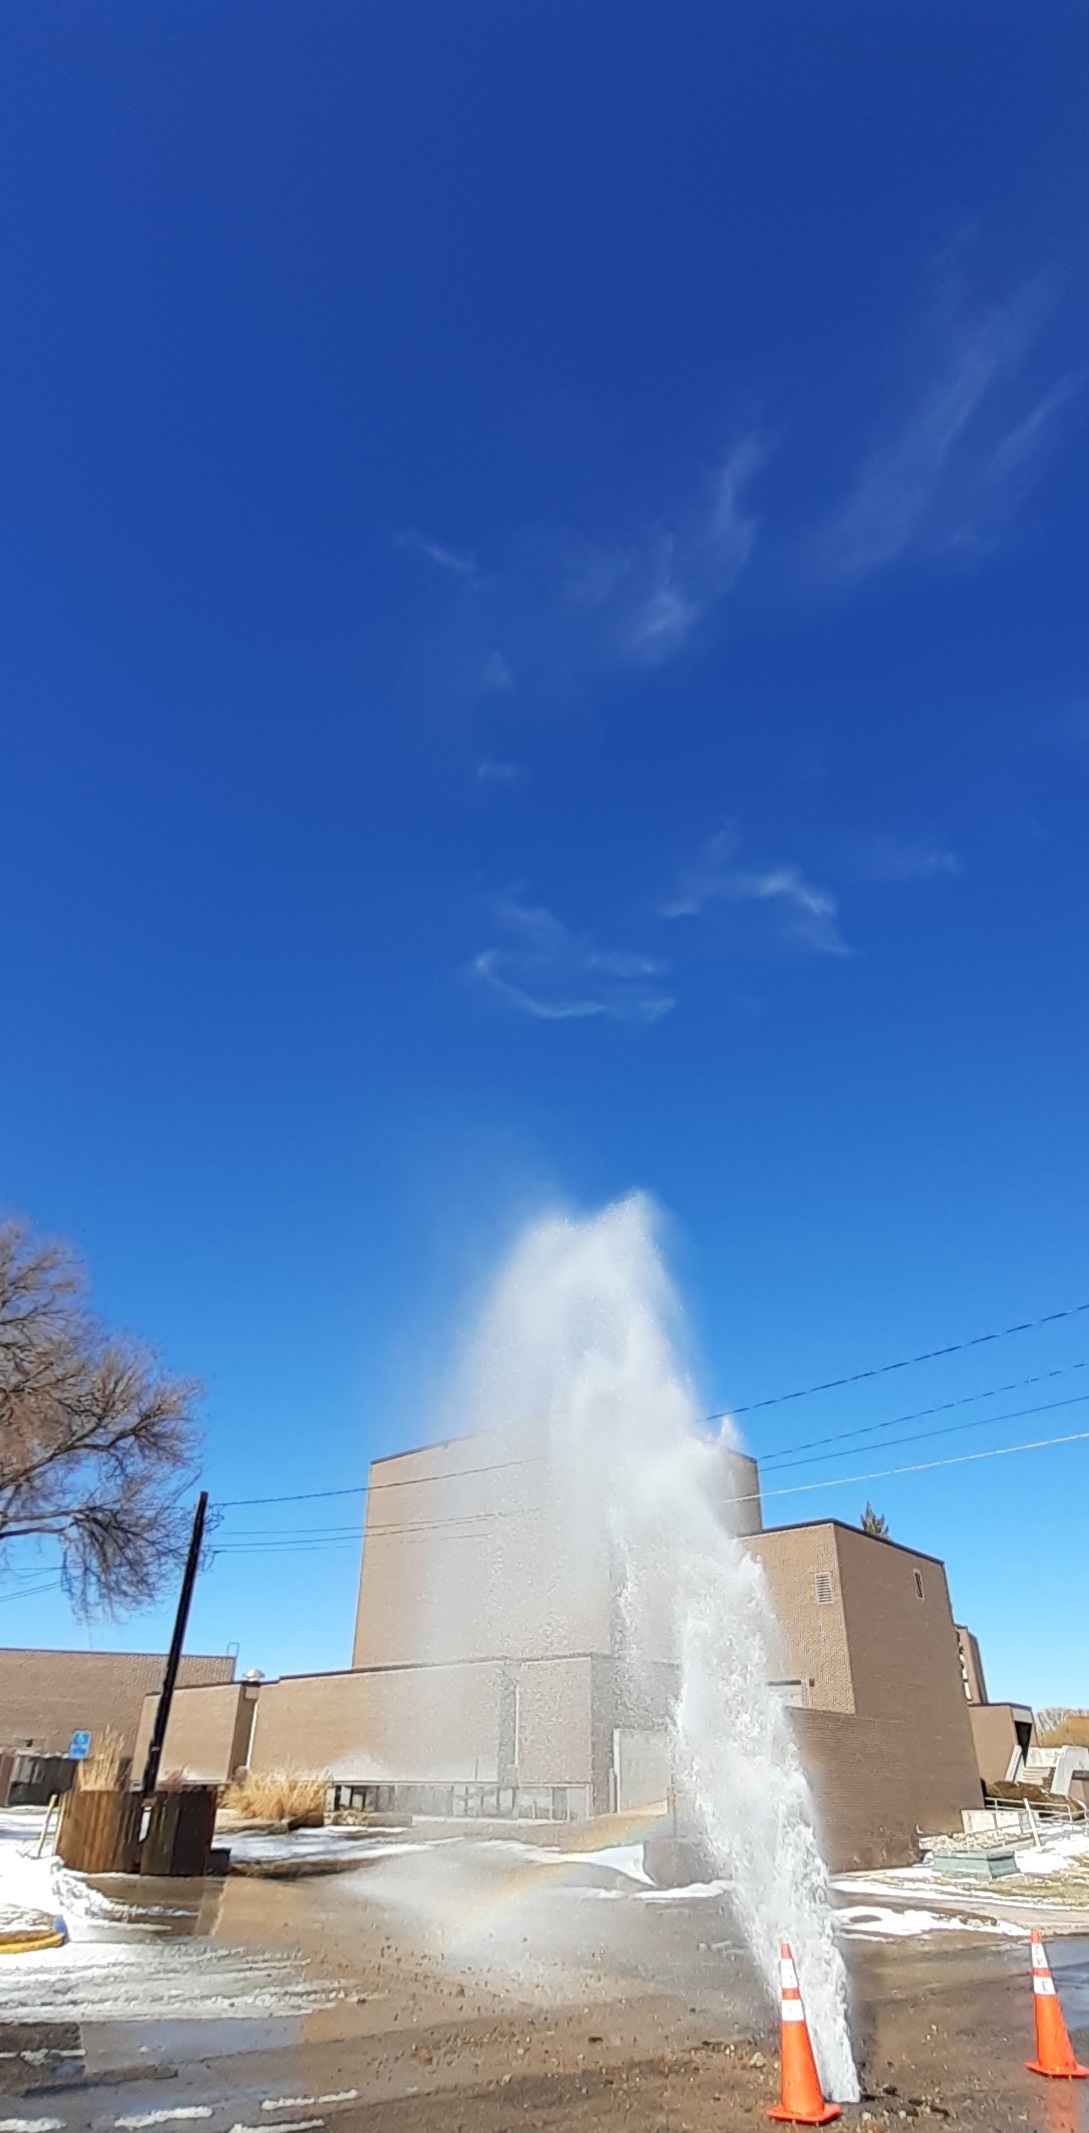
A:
(80, 1745)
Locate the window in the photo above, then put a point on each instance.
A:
(919, 1584)
(822, 1586)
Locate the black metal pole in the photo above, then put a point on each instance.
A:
(173, 1660)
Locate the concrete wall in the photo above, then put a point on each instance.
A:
(995, 1736)
(45, 1697)
(474, 1549)
(208, 1734)
(434, 1724)
(554, 1699)
(474, 1722)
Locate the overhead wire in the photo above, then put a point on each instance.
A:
(771, 1459)
(803, 1488)
(778, 1461)
(919, 1414)
(907, 1362)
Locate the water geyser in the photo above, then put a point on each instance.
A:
(581, 1341)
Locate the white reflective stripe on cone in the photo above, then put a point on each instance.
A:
(792, 2011)
(788, 1976)
(1043, 1986)
(1039, 1955)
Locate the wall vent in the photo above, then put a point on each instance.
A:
(822, 1586)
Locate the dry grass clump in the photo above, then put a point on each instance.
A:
(107, 1766)
(1057, 1728)
(278, 1796)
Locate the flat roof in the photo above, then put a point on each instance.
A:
(883, 1540)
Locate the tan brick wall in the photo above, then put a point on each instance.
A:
(45, 1697)
(813, 1646)
(871, 1786)
(434, 1724)
(888, 1733)
(207, 1735)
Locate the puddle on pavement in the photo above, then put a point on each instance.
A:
(125, 1907)
(109, 2045)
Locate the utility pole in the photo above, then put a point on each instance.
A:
(166, 1698)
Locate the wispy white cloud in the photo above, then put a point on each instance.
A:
(563, 602)
(801, 915)
(909, 859)
(491, 772)
(691, 568)
(456, 560)
(496, 676)
(554, 975)
(951, 468)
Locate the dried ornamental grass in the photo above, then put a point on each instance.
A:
(278, 1796)
(107, 1766)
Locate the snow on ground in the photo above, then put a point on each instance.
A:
(1063, 1854)
(297, 1847)
(1053, 1855)
(24, 1880)
(105, 1980)
(162, 1980)
(861, 1921)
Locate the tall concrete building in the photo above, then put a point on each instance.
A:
(490, 1673)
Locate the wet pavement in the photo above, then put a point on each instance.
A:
(480, 1988)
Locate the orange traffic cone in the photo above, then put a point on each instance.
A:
(802, 2101)
(1053, 2053)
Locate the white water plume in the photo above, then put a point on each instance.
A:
(580, 1340)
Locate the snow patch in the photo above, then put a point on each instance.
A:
(860, 1921)
(164, 2118)
(306, 2103)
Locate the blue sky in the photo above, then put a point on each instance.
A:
(542, 653)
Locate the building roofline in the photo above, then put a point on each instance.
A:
(74, 1651)
(883, 1540)
(441, 1444)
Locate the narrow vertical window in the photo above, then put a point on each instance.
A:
(919, 1584)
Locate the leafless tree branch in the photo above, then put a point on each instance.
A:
(97, 1439)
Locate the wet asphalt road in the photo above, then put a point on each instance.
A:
(477, 1988)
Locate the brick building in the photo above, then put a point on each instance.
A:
(45, 1696)
(489, 1675)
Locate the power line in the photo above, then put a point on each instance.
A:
(923, 1466)
(778, 1461)
(30, 1592)
(858, 1377)
(363, 1488)
(919, 1436)
(880, 1370)
(804, 1488)
(920, 1414)
(469, 1523)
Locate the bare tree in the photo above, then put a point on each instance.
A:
(97, 1441)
